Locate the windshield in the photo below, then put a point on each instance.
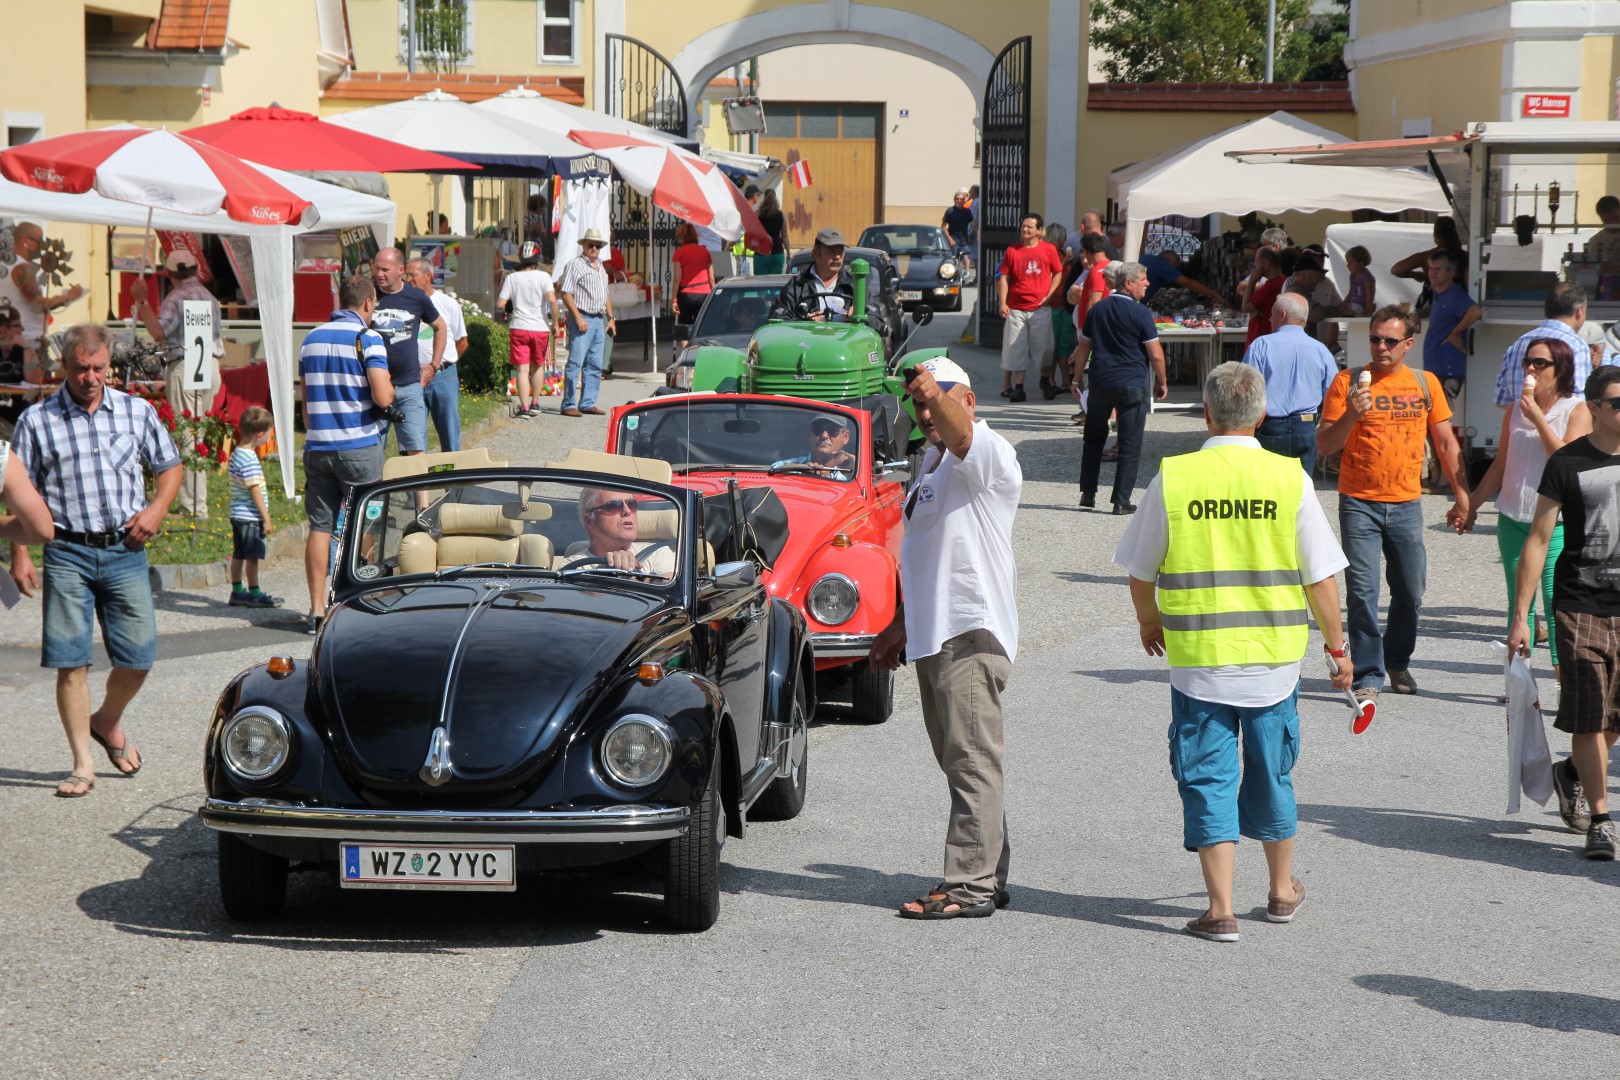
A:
(749, 435)
(735, 311)
(499, 526)
(905, 239)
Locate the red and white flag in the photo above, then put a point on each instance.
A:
(800, 171)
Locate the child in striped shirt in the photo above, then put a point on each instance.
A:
(250, 513)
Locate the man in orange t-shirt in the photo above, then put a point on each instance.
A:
(1381, 427)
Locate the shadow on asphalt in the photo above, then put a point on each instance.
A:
(23, 778)
(841, 884)
(1079, 577)
(1521, 844)
(1550, 1009)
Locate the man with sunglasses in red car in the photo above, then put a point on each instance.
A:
(611, 519)
(1380, 415)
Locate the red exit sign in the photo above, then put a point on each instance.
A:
(1545, 105)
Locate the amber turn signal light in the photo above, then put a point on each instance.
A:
(280, 666)
(648, 674)
(842, 540)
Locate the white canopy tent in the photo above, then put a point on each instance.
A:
(1199, 178)
(272, 246)
(558, 117)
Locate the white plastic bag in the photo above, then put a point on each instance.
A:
(1529, 759)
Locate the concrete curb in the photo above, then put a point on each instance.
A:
(287, 541)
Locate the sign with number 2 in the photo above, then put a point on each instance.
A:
(199, 341)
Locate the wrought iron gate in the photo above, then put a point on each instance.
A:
(642, 86)
(1003, 174)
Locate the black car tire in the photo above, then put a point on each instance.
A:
(871, 694)
(252, 883)
(692, 862)
(783, 800)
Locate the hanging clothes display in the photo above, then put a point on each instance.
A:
(585, 205)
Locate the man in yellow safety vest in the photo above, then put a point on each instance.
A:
(1224, 553)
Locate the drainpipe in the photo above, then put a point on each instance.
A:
(1271, 36)
(410, 39)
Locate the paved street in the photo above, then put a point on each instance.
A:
(1440, 936)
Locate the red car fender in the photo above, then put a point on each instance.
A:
(873, 570)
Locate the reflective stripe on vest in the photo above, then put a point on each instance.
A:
(1230, 590)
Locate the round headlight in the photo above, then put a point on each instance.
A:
(256, 742)
(833, 600)
(947, 270)
(636, 750)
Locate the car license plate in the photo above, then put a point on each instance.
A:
(426, 866)
(911, 294)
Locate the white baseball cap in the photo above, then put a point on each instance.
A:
(180, 260)
(946, 372)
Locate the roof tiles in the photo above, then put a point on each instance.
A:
(190, 24)
(383, 86)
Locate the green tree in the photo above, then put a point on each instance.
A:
(441, 35)
(1215, 40)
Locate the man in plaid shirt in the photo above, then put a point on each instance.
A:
(83, 448)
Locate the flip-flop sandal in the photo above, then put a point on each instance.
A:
(115, 754)
(933, 907)
(75, 779)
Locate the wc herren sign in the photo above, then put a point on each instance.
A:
(1553, 106)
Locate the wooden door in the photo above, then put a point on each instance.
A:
(842, 145)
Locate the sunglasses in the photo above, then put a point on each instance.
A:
(1387, 342)
(829, 432)
(615, 506)
(1611, 402)
(591, 247)
(1538, 364)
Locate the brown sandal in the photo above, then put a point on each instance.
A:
(115, 754)
(74, 780)
(934, 907)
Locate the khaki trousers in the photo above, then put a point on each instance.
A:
(961, 703)
(193, 497)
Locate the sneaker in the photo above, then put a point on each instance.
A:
(1572, 806)
(312, 624)
(264, 599)
(1017, 395)
(1401, 682)
(1213, 929)
(1280, 910)
(528, 414)
(1600, 841)
(239, 599)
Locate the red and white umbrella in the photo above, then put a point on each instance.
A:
(157, 169)
(680, 182)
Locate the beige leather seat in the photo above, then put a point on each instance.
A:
(474, 533)
(418, 464)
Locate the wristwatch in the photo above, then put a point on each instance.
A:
(1339, 654)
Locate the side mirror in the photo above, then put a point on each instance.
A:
(922, 315)
(736, 575)
(682, 332)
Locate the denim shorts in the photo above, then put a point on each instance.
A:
(247, 540)
(1224, 793)
(329, 476)
(412, 432)
(85, 583)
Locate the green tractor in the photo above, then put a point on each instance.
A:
(825, 361)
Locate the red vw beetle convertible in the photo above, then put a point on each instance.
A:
(830, 468)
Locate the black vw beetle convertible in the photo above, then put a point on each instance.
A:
(521, 669)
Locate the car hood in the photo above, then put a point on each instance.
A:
(509, 670)
(913, 266)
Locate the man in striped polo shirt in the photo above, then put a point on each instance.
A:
(83, 448)
(344, 370)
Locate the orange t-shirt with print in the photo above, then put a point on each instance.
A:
(1382, 459)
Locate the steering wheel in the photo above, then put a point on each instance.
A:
(588, 560)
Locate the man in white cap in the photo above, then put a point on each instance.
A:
(958, 619)
(167, 323)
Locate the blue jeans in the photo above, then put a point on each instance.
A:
(1225, 795)
(443, 394)
(412, 433)
(584, 370)
(110, 584)
(1367, 529)
(1290, 437)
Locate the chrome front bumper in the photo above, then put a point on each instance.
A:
(833, 646)
(608, 824)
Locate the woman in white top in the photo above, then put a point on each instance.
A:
(531, 300)
(1547, 416)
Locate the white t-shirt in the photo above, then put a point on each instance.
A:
(527, 290)
(1142, 550)
(956, 562)
(1527, 457)
(455, 328)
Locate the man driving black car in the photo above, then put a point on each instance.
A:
(825, 287)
